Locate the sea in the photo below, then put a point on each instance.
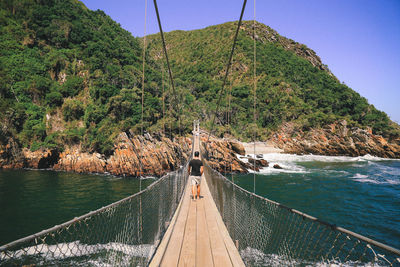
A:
(35, 200)
(361, 194)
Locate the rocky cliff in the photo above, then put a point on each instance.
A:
(155, 155)
(133, 156)
(221, 155)
(335, 139)
(158, 155)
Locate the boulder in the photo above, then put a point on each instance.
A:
(238, 148)
(259, 162)
(276, 166)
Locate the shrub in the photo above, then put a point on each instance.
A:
(54, 99)
(72, 109)
(72, 86)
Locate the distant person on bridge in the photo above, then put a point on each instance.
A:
(195, 171)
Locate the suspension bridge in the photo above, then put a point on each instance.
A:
(197, 235)
(228, 226)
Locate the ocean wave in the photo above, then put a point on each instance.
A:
(255, 257)
(307, 158)
(362, 178)
(149, 178)
(388, 170)
(393, 182)
(335, 172)
(64, 251)
(291, 163)
(287, 167)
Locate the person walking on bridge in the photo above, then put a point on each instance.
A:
(195, 171)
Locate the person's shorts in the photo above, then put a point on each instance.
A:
(196, 180)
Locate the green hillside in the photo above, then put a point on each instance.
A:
(75, 66)
(292, 83)
(69, 75)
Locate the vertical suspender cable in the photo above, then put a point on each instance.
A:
(254, 95)
(229, 108)
(143, 69)
(163, 98)
(140, 228)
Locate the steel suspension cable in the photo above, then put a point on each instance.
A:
(227, 68)
(254, 95)
(229, 101)
(166, 55)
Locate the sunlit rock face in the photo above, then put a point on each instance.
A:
(334, 140)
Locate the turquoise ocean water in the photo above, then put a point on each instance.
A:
(33, 200)
(361, 194)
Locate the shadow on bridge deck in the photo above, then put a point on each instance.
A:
(197, 235)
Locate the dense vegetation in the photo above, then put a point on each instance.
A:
(289, 87)
(69, 75)
(76, 66)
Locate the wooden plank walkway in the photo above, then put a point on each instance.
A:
(197, 235)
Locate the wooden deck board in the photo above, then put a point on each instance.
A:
(188, 252)
(197, 235)
(204, 255)
(218, 249)
(170, 248)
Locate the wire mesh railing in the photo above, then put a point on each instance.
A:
(270, 234)
(125, 233)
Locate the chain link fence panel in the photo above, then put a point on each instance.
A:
(125, 233)
(270, 234)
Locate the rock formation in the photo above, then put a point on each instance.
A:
(276, 166)
(159, 155)
(335, 140)
(259, 162)
(221, 155)
(155, 155)
(133, 156)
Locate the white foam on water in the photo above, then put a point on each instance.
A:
(369, 181)
(311, 157)
(389, 170)
(373, 180)
(77, 249)
(360, 176)
(393, 182)
(256, 257)
(149, 178)
(287, 166)
(335, 172)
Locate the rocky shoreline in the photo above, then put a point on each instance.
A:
(160, 155)
(336, 139)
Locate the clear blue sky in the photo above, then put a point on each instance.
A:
(358, 39)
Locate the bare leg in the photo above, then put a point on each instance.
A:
(194, 191)
(198, 191)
